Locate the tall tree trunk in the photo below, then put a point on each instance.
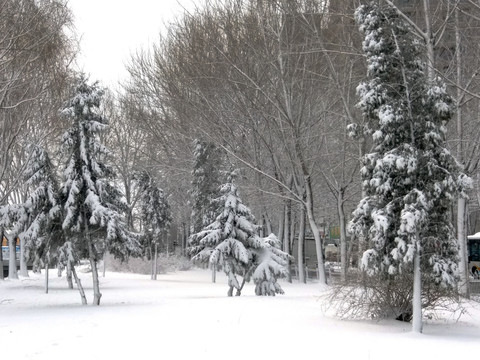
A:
(12, 261)
(462, 242)
(281, 226)
(417, 324)
(430, 41)
(316, 232)
(286, 226)
(286, 234)
(300, 252)
(461, 202)
(343, 235)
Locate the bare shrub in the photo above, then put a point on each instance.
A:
(386, 296)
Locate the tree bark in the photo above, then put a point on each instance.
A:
(155, 257)
(96, 284)
(46, 276)
(23, 261)
(214, 273)
(93, 263)
(300, 252)
(79, 285)
(461, 202)
(417, 325)
(316, 232)
(69, 274)
(12, 261)
(462, 242)
(286, 234)
(343, 236)
(281, 226)
(429, 40)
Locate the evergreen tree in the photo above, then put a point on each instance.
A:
(410, 179)
(92, 204)
(271, 263)
(43, 236)
(232, 242)
(206, 176)
(156, 217)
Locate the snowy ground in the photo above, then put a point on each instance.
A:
(184, 316)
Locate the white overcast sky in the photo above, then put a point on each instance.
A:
(111, 30)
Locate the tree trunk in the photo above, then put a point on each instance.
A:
(93, 263)
(343, 236)
(261, 233)
(69, 274)
(96, 284)
(46, 276)
(286, 226)
(462, 242)
(23, 261)
(429, 41)
(79, 285)
(12, 261)
(300, 252)
(286, 234)
(214, 273)
(281, 227)
(316, 233)
(155, 257)
(461, 203)
(417, 325)
(239, 291)
(268, 224)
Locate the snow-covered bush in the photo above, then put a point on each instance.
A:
(271, 264)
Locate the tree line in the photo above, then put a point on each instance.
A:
(274, 86)
(271, 88)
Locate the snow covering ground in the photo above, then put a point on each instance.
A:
(184, 315)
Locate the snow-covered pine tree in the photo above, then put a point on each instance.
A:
(410, 179)
(156, 217)
(229, 240)
(92, 205)
(43, 236)
(232, 243)
(271, 264)
(206, 179)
